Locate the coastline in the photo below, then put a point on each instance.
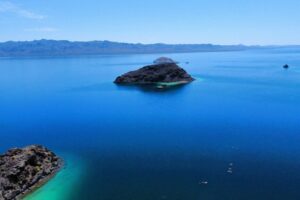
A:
(62, 184)
(171, 84)
(23, 170)
(41, 182)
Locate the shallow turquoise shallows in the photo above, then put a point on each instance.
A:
(62, 186)
(233, 134)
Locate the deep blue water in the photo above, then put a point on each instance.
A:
(243, 110)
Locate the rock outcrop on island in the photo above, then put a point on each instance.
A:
(163, 60)
(163, 72)
(23, 170)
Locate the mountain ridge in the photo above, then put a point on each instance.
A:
(68, 48)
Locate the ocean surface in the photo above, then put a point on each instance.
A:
(233, 134)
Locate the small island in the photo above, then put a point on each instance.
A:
(163, 73)
(24, 170)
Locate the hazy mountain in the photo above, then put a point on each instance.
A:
(63, 47)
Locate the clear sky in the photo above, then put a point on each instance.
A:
(152, 21)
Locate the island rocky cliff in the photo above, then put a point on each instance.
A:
(160, 72)
(23, 170)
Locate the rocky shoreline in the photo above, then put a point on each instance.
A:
(24, 170)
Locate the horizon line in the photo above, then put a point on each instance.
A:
(156, 43)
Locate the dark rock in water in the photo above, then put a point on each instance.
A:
(161, 73)
(23, 170)
(286, 66)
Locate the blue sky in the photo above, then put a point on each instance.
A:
(168, 21)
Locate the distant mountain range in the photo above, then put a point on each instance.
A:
(65, 48)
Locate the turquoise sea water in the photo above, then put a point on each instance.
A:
(63, 185)
(232, 134)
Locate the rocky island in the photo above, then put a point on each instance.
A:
(163, 73)
(23, 170)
